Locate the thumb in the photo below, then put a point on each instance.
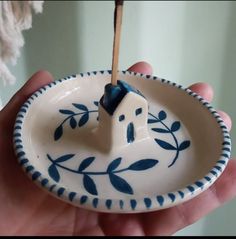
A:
(9, 112)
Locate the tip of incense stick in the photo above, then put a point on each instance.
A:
(119, 2)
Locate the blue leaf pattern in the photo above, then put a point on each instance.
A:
(64, 158)
(162, 115)
(152, 121)
(73, 123)
(80, 107)
(114, 164)
(175, 126)
(184, 145)
(120, 184)
(165, 145)
(53, 173)
(85, 163)
(58, 133)
(160, 130)
(84, 119)
(143, 164)
(66, 112)
(89, 185)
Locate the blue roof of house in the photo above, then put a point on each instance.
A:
(114, 94)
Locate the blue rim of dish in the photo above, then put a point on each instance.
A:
(120, 205)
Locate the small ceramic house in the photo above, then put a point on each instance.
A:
(123, 113)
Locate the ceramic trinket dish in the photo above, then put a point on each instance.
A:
(145, 144)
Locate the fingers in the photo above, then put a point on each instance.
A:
(168, 221)
(204, 90)
(38, 80)
(141, 67)
(201, 88)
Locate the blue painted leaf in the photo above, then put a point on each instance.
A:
(165, 145)
(58, 132)
(85, 163)
(152, 121)
(64, 158)
(175, 126)
(162, 115)
(73, 123)
(83, 120)
(96, 103)
(89, 185)
(114, 164)
(143, 164)
(66, 112)
(120, 184)
(53, 173)
(184, 145)
(80, 107)
(159, 130)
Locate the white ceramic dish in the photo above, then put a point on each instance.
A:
(188, 150)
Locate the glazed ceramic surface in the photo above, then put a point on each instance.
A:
(64, 146)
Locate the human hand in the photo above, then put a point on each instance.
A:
(27, 210)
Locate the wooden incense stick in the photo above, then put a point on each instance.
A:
(116, 42)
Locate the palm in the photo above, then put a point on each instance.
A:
(27, 210)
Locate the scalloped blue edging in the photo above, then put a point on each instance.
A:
(160, 201)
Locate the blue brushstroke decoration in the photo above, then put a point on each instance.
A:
(143, 164)
(121, 118)
(60, 191)
(80, 107)
(71, 117)
(121, 204)
(73, 123)
(138, 111)
(83, 199)
(181, 194)
(165, 145)
(108, 203)
(130, 133)
(58, 132)
(85, 163)
(113, 165)
(72, 196)
(175, 126)
(53, 173)
(89, 183)
(44, 182)
(133, 203)
(171, 196)
(148, 202)
(160, 200)
(67, 112)
(120, 184)
(63, 158)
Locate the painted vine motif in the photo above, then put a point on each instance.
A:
(72, 116)
(177, 147)
(79, 118)
(112, 172)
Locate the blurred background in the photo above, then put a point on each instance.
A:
(185, 41)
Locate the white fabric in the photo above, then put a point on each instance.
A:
(15, 16)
